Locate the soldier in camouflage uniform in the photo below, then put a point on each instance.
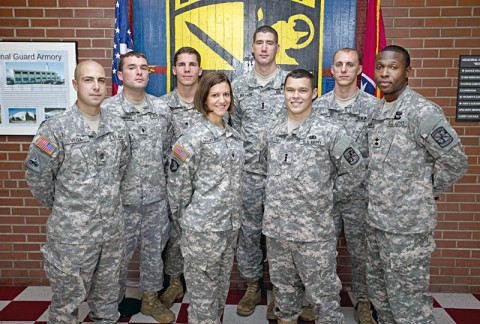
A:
(187, 70)
(350, 106)
(258, 102)
(74, 167)
(414, 156)
(204, 187)
(143, 190)
(307, 157)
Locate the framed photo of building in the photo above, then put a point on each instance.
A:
(35, 83)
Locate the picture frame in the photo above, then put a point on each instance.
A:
(35, 83)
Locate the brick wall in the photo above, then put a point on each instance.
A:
(436, 32)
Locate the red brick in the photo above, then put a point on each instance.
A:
(89, 13)
(456, 32)
(74, 22)
(467, 263)
(31, 32)
(408, 22)
(60, 33)
(464, 21)
(42, 3)
(424, 32)
(90, 33)
(424, 12)
(407, 3)
(454, 271)
(28, 13)
(102, 23)
(59, 13)
(14, 3)
(73, 3)
(440, 3)
(447, 253)
(45, 23)
(457, 11)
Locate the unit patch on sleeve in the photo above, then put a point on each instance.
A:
(45, 145)
(351, 156)
(180, 152)
(442, 137)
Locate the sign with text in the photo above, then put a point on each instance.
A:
(468, 94)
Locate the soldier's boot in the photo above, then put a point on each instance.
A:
(173, 292)
(252, 297)
(152, 306)
(270, 315)
(308, 314)
(280, 321)
(363, 313)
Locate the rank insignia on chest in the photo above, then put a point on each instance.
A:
(45, 145)
(180, 152)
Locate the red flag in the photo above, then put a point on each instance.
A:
(122, 41)
(374, 41)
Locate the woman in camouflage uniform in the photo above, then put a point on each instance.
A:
(204, 187)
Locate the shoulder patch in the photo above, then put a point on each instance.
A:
(351, 156)
(45, 145)
(33, 163)
(442, 137)
(174, 165)
(180, 152)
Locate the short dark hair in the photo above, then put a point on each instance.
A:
(206, 83)
(266, 29)
(130, 54)
(300, 74)
(347, 50)
(187, 50)
(398, 49)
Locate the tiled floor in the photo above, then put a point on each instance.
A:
(29, 305)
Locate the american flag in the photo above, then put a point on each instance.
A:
(374, 41)
(122, 41)
(45, 145)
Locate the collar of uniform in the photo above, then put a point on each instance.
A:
(174, 102)
(303, 130)
(275, 83)
(214, 130)
(350, 109)
(396, 106)
(81, 126)
(129, 108)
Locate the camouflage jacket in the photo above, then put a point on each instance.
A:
(408, 143)
(304, 169)
(183, 116)
(352, 117)
(76, 173)
(256, 108)
(204, 182)
(151, 136)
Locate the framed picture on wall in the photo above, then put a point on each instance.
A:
(35, 83)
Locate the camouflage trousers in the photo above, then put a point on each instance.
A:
(353, 214)
(249, 250)
(79, 272)
(147, 225)
(398, 276)
(307, 269)
(208, 264)
(173, 255)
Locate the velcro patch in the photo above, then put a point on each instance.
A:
(45, 145)
(180, 152)
(34, 164)
(174, 165)
(442, 137)
(351, 156)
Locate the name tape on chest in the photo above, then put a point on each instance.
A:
(45, 145)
